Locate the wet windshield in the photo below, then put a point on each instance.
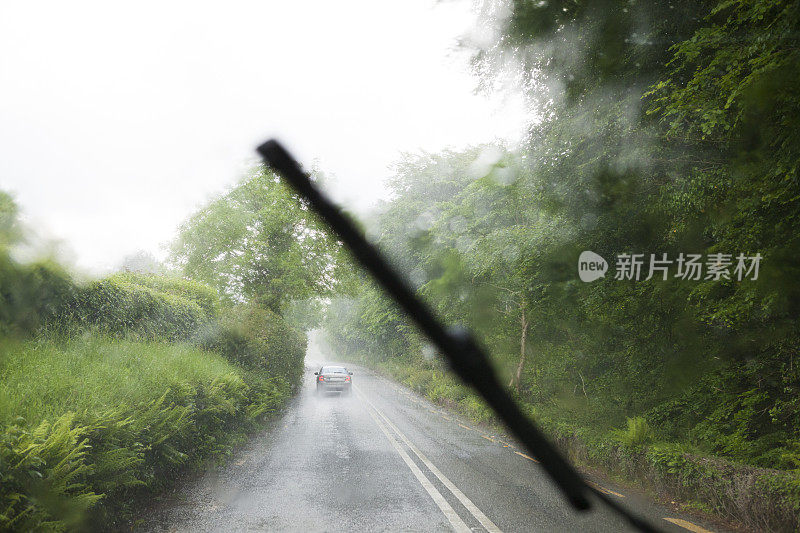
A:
(602, 197)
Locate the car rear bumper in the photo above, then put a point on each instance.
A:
(333, 386)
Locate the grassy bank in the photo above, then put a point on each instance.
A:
(110, 387)
(91, 424)
(761, 499)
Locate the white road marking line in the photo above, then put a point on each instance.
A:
(682, 523)
(448, 511)
(466, 502)
(687, 525)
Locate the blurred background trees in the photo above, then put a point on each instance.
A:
(665, 128)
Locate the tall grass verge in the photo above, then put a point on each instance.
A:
(89, 425)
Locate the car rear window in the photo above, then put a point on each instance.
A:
(333, 370)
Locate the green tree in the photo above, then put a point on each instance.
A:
(258, 242)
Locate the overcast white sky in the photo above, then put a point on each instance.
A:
(118, 120)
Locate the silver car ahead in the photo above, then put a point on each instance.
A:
(334, 378)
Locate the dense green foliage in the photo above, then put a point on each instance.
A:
(665, 128)
(33, 296)
(710, 362)
(43, 297)
(257, 243)
(258, 339)
(111, 371)
(122, 307)
(107, 421)
(200, 294)
(109, 387)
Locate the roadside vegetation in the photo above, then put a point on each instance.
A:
(111, 387)
(666, 128)
(660, 128)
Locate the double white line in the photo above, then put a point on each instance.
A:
(455, 520)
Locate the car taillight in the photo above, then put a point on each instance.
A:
(321, 378)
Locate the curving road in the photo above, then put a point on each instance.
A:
(383, 459)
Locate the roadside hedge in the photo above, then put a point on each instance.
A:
(106, 394)
(258, 339)
(118, 307)
(201, 294)
(42, 297)
(761, 499)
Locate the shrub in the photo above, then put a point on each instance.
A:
(637, 434)
(32, 296)
(203, 295)
(258, 339)
(43, 297)
(120, 308)
(477, 409)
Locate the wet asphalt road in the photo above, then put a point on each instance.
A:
(383, 459)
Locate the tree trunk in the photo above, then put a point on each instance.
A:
(516, 378)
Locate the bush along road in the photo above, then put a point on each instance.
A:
(110, 388)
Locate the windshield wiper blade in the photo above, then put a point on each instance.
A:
(457, 346)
